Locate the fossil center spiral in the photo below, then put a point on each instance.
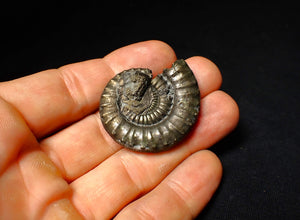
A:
(143, 100)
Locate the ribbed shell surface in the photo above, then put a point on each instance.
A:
(150, 115)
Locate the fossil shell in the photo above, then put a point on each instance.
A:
(150, 115)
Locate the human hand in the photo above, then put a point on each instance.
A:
(58, 162)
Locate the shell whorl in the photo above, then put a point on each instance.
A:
(150, 115)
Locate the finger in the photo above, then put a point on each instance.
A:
(184, 192)
(207, 74)
(61, 209)
(88, 142)
(31, 184)
(219, 115)
(14, 134)
(128, 174)
(154, 55)
(29, 180)
(51, 99)
(85, 148)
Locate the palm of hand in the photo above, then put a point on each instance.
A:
(56, 160)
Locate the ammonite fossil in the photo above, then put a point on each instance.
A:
(150, 115)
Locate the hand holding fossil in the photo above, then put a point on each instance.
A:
(58, 161)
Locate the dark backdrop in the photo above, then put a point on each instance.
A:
(256, 47)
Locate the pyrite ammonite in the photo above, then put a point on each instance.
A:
(150, 115)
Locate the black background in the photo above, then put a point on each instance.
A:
(256, 47)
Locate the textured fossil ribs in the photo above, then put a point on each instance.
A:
(150, 115)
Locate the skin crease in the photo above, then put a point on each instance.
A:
(57, 161)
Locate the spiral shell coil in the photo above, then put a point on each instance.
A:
(150, 115)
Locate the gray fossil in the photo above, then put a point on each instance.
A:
(150, 115)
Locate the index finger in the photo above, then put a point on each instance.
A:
(51, 99)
